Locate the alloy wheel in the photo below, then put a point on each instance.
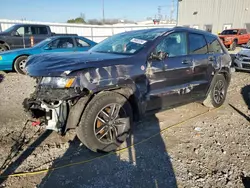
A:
(22, 65)
(109, 124)
(219, 91)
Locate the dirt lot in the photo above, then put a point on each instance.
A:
(211, 150)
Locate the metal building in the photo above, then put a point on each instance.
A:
(214, 15)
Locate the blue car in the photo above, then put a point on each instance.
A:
(16, 59)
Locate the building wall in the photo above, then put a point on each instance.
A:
(219, 13)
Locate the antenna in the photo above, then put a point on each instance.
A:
(172, 11)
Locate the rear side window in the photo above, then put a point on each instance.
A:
(213, 45)
(197, 44)
(39, 30)
(42, 30)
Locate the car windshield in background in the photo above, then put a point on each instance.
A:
(9, 29)
(127, 43)
(42, 43)
(230, 32)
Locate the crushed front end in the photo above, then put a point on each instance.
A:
(53, 99)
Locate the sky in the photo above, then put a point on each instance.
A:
(62, 10)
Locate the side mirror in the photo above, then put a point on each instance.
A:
(162, 55)
(159, 55)
(47, 48)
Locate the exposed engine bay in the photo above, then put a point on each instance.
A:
(51, 105)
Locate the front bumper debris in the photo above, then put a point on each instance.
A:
(52, 115)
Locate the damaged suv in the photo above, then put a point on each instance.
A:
(103, 91)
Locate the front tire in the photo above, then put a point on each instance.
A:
(19, 64)
(217, 94)
(106, 122)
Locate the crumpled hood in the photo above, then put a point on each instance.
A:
(55, 64)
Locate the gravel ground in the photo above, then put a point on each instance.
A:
(211, 150)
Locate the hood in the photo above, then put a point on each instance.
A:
(56, 64)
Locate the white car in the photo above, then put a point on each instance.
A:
(242, 59)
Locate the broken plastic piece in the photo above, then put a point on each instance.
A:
(35, 123)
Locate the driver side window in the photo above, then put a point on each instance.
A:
(62, 43)
(20, 31)
(174, 45)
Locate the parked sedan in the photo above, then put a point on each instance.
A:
(242, 59)
(16, 59)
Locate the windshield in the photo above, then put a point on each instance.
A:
(126, 43)
(230, 32)
(42, 43)
(10, 29)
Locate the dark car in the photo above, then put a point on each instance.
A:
(19, 36)
(120, 80)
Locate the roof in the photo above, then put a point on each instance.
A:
(192, 30)
(159, 30)
(30, 24)
(178, 28)
(63, 36)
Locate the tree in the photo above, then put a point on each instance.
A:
(78, 20)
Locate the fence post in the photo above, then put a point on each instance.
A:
(92, 36)
(66, 30)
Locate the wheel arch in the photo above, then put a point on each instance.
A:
(18, 57)
(128, 90)
(226, 74)
(225, 71)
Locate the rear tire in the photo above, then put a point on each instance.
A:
(3, 48)
(109, 133)
(217, 94)
(19, 64)
(233, 45)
